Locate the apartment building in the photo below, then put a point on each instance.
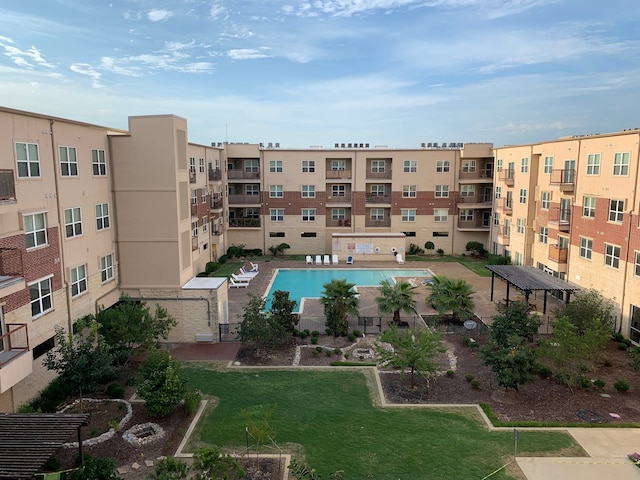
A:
(570, 207)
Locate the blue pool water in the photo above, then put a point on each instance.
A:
(307, 283)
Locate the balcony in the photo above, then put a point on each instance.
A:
(384, 223)
(480, 201)
(244, 223)
(215, 174)
(508, 176)
(338, 174)
(558, 254)
(244, 199)
(385, 175)
(477, 225)
(345, 198)
(565, 179)
(7, 186)
(503, 235)
(14, 364)
(243, 175)
(482, 175)
(192, 176)
(217, 201)
(373, 198)
(506, 205)
(194, 243)
(342, 222)
(560, 219)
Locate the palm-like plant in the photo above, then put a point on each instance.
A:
(396, 297)
(453, 296)
(339, 300)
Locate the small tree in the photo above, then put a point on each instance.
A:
(161, 383)
(429, 246)
(282, 311)
(95, 468)
(169, 468)
(411, 348)
(396, 297)
(257, 423)
(339, 301)
(279, 249)
(212, 464)
(476, 248)
(269, 330)
(451, 296)
(586, 306)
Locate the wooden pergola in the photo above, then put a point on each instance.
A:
(28, 440)
(529, 279)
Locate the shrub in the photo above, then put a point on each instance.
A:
(475, 383)
(468, 377)
(626, 341)
(161, 383)
(315, 352)
(169, 468)
(621, 386)
(53, 395)
(599, 383)
(328, 353)
(314, 340)
(315, 333)
(543, 371)
(440, 252)
(622, 346)
(51, 465)
(451, 373)
(328, 331)
(96, 469)
(191, 401)
(498, 260)
(618, 337)
(357, 333)
(583, 382)
(115, 391)
(469, 342)
(303, 334)
(337, 351)
(415, 249)
(223, 259)
(211, 267)
(318, 349)
(351, 337)
(476, 248)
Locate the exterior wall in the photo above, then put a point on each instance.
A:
(379, 247)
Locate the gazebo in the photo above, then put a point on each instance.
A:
(529, 279)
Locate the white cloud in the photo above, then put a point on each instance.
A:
(158, 15)
(30, 58)
(247, 53)
(218, 10)
(89, 71)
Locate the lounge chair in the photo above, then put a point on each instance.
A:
(318, 260)
(412, 282)
(334, 259)
(247, 273)
(350, 260)
(235, 284)
(241, 278)
(309, 260)
(326, 260)
(427, 282)
(254, 267)
(399, 258)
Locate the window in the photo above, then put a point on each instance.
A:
(543, 236)
(102, 216)
(442, 166)
(520, 225)
(308, 191)
(192, 164)
(518, 258)
(203, 195)
(589, 207)
(611, 255)
(548, 164)
(586, 247)
(498, 192)
(621, 164)
(509, 201)
(106, 267)
(308, 235)
(201, 165)
(468, 191)
(194, 197)
(276, 234)
(98, 162)
(593, 164)
(251, 166)
(73, 222)
(410, 166)
(203, 224)
(338, 165)
(35, 230)
(524, 165)
(378, 166)
(545, 200)
(376, 214)
(252, 189)
(499, 165)
(377, 190)
(308, 166)
(276, 214)
(466, 215)
(308, 214)
(68, 161)
(616, 208)
(194, 228)
(252, 213)
(338, 214)
(28, 160)
(440, 234)
(41, 299)
(496, 218)
(408, 214)
(442, 191)
(78, 280)
(409, 191)
(523, 195)
(338, 190)
(468, 166)
(275, 166)
(636, 270)
(440, 215)
(276, 191)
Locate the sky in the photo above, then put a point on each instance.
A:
(319, 72)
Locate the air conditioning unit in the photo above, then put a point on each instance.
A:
(277, 145)
(366, 145)
(270, 145)
(349, 145)
(213, 144)
(423, 145)
(342, 145)
(261, 145)
(336, 145)
(362, 145)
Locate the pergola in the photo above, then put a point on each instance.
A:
(529, 279)
(28, 440)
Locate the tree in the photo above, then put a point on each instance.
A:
(429, 246)
(130, 328)
(96, 468)
(279, 249)
(411, 348)
(476, 248)
(269, 330)
(282, 311)
(82, 359)
(161, 383)
(586, 306)
(258, 426)
(339, 301)
(396, 297)
(507, 352)
(212, 464)
(453, 296)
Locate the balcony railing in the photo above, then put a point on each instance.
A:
(379, 175)
(13, 343)
(7, 185)
(241, 174)
(560, 218)
(564, 178)
(340, 174)
(343, 222)
(506, 204)
(373, 198)
(244, 199)
(346, 198)
(475, 199)
(215, 174)
(558, 254)
(504, 234)
(244, 222)
(508, 176)
(477, 223)
(217, 202)
(370, 223)
(480, 174)
(11, 262)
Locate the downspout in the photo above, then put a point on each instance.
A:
(65, 280)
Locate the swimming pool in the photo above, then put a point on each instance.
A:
(307, 283)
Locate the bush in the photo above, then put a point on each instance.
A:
(211, 267)
(543, 371)
(115, 391)
(468, 377)
(235, 251)
(583, 382)
(57, 392)
(451, 373)
(169, 468)
(337, 351)
(415, 249)
(627, 342)
(622, 346)
(618, 337)
(161, 383)
(51, 465)
(328, 353)
(315, 353)
(440, 252)
(621, 386)
(96, 469)
(314, 340)
(192, 401)
(475, 383)
(357, 333)
(599, 383)
(429, 245)
(498, 260)
(223, 259)
(303, 334)
(476, 248)
(351, 337)
(469, 342)
(318, 349)
(328, 331)
(315, 333)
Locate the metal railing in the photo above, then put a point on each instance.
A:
(244, 222)
(16, 341)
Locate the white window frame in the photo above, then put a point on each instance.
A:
(201, 165)
(192, 164)
(106, 268)
(621, 164)
(251, 165)
(276, 214)
(276, 191)
(616, 211)
(41, 285)
(586, 247)
(408, 214)
(194, 196)
(443, 166)
(338, 190)
(338, 165)
(468, 166)
(543, 235)
(98, 162)
(496, 218)
(79, 282)
(467, 191)
(378, 166)
(35, 230)
(338, 214)
(523, 196)
(409, 191)
(498, 193)
(545, 200)
(499, 163)
(466, 215)
(24, 157)
(275, 166)
(194, 228)
(252, 189)
(589, 207)
(410, 166)
(441, 191)
(308, 166)
(103, 220)
(524, 165)
(636, 268)
(68, 157)
(377, 190)
(440, 215)
(74, 223)
(612, 255)
(593, 164)
(308, 191)
(376, 215)
(203, 195)
(548, 164)
(520, 225)
(308, 214)
(203, 224)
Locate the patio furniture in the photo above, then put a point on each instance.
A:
(235, 284)
(318, 260)
(309, 260)
(326, 260)
(350, 260)
(334, 259)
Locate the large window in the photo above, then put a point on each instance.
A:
(616, 210)
(589, 207)
(41, 299)
(251, 166)
(545, 200)
(440, 214)
(338, 165)
(308, 191)
(377, 214)
(442, 191)
(409, 191)
(35, 230)
(338, 214)
(466, 215)
(468, 191)
(523, 195)
(194, 228)
(611, 255)
(275, 166)
(468, 166)
(520, 225)
(621, 164)
(78, 280)
(201, 165)
(194, 196)
(548, 164)
(408, 214)
(68, 161)
(308, 214)
(308, 166)
(442, 166)
(377, 190)
(543, 236)
(28, 160)
(102, 216)
(498, 192)
(252, 189)
(276, 214)
(586, 247)
(593, 164)
(73, 222)
(410, 166)
(338, 190)
(192, 164)
(98, 162)
(378, 166)
(276, 191)
(524, 165)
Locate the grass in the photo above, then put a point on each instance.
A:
(476, 265)
(329, 418)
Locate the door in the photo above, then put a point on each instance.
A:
(569, 171)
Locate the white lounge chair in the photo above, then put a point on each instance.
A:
(309, 260)
(326, 260)
(350, 260)
(334, 259)
(399, 258)
(318, 260)
(254, 267)
(247, 273)
(241, 278)
(235, 284)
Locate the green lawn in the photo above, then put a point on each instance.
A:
(476, 265)
(331, 416)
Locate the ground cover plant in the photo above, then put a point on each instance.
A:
(329, 419)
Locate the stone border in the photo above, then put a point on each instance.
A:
(107, 435)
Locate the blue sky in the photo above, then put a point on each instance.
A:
(316, 72)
